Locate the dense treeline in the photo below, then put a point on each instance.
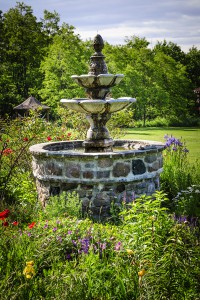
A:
(39, 57)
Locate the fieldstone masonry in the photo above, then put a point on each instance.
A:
(98, 178)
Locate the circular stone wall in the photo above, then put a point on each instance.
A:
(126, 173)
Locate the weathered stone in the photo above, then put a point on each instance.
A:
(141, 185)
(121, 169)
(104, 163)
(65, 187)
(160, 161)
(101, 199)
(138, 167)
(157, 182)
(85, 202)
(150, 158)
(154, 167)
(120, 188)
(88, 174)
(73, 170)
(53, 169)
(89, 165)
(111, 176)
(43, 191)
(54, 190)
(151, 188)
(103, 174)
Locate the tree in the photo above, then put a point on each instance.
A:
(193, 66)
(66, 57)
(50, 23)
(171, 49)
(22, 50)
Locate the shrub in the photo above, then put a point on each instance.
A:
(178, 174)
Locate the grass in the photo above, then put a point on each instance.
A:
(191, 136)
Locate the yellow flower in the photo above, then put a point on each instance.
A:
(29, 270)
(30, 263)
(129, 251)
(141, 273)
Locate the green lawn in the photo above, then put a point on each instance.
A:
(191, 136)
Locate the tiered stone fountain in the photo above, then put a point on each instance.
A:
(99, 169)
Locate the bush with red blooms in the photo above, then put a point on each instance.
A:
(15, 158)
(4, 214)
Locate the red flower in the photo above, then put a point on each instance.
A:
(49, 138)
(25, 139)
(4, 214)
(69, 134)
(5, 224)
(32, 225)
(15, 223)
(7, 151)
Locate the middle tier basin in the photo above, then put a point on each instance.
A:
(96, 106)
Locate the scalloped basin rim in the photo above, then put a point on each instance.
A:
(87, 100)
(100, 75)
(59, 149)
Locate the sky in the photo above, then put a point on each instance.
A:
(177, 21)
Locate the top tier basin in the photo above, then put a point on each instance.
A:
(98, 81)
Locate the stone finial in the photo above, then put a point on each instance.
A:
(97, 64)
(98, 43)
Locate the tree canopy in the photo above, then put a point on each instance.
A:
(39, 57)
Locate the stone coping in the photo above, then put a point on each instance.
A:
(58, 149)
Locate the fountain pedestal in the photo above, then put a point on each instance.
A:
(98, 137)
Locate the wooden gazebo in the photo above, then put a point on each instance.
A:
(31, 104)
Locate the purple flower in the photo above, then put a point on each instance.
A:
(55, 228)
(29, 234)
(59, 238)
(103, 246)
(68, 256)
(45, 226)
(85, 245)
(118, 246)
(74, 243)
(69, 232)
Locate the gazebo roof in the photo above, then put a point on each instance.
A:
(197, 90)
(31, 103)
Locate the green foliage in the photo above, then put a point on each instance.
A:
(25, 44)
(15, 158)
(66, 204)
(149, 256)
(187, 203)
(65, 57)
(178, 175)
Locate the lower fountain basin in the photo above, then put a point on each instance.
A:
(132, 169)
